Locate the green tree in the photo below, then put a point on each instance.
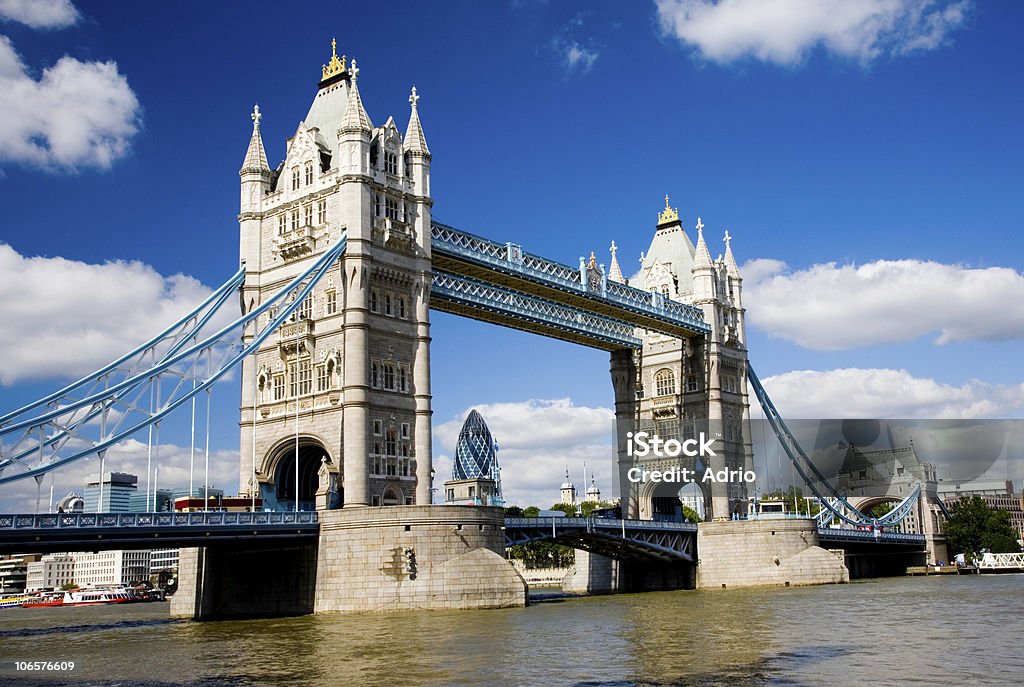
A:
(68, 587)
(690, 514)
(531, 512)
(588, 507)
(880, 510)
(514, 512)
(973, 525)
(567, 508)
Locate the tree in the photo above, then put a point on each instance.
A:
(690, 514)
(68, 587)
(531, 512)
(567, 508)
(974, 525)
(514, 512)
(588, 507)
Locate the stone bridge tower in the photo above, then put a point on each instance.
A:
(687, 386)
(335, 406)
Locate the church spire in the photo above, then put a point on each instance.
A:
(415, 141)
(614, 271)
(255, 157)
(355, 117)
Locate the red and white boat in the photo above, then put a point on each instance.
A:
(45, 599)
(98, 595)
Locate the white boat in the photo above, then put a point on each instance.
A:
(98, 595)
(13, 601)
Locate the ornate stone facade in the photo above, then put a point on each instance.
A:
(336, 405)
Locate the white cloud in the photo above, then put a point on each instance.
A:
(537, 440)
(77, 114)
(884, 393)
(784, 31)
(831, 307)
(578, 57)
(64, 318)
(129, 456)
(40, 14)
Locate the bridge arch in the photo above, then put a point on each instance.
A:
(279, 493)
(664, 500)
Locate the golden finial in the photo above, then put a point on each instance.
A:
(593, 260)
(669, 214)
(335, 66)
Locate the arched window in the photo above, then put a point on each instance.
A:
(389, 377)
(309, 173)
(373, 301)
(295, 178)
(401, 379)
(665, 382)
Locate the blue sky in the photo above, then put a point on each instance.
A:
(868, 163)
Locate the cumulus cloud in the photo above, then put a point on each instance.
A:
(578, 57)
(76, 115)
(884, 393)
(538, 440)
(785, 31)
(831, 307)
(64, 318)
(40, 14)
(129, 456)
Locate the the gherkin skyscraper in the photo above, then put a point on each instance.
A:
(475, 452)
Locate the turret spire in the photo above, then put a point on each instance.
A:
(730, 261)
(415, 141)
(701, 254)
(355, 117)
(614, 271)
(255, 157)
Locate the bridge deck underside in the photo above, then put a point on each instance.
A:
(671, 546)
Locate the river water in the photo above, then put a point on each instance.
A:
(901, 631)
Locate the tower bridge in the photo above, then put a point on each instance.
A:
(341, 264)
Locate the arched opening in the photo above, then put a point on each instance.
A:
(392, 497)
(304, 473)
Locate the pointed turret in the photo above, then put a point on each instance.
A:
(355, 118)
(415, 141)
(255, 157)
(701, 254)
(731, 268)
(614, 271)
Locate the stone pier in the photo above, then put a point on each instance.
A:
(415, 557)
(765, 553)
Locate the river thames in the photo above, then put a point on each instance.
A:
(897, 631)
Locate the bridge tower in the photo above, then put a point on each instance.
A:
(335, 407)
(693, 385)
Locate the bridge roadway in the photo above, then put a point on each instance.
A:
(619, 539)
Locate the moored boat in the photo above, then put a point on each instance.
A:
(44, 599)
(98, 595)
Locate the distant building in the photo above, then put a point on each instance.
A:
(162, 559)
(72, 503)
(995, 495)
(111, 568)
(160, 501)
(568, 491)
(476, 477)
(52, 571)
(14, 572)
(115, 489)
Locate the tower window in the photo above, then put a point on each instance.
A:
(402, 376)
(309, 173)
(309, 215)
(278, 387)
(665, 382)
(389, 377)
(321, 212)
(391, 207)
(390, 444)
(374, 375)
(405, 430)
(376, 205)
(282, 223)
(295, 219)
(390, 163)
(373, 301)
(387, 304)
(401, 307)
(330, 302)
(295, 178)
(300, 378)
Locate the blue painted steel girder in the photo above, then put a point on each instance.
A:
(504, 306)
(464, 254)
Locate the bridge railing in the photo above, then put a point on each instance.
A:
(867, 535)
(511, 257)
(128, 520)
(601, 523)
